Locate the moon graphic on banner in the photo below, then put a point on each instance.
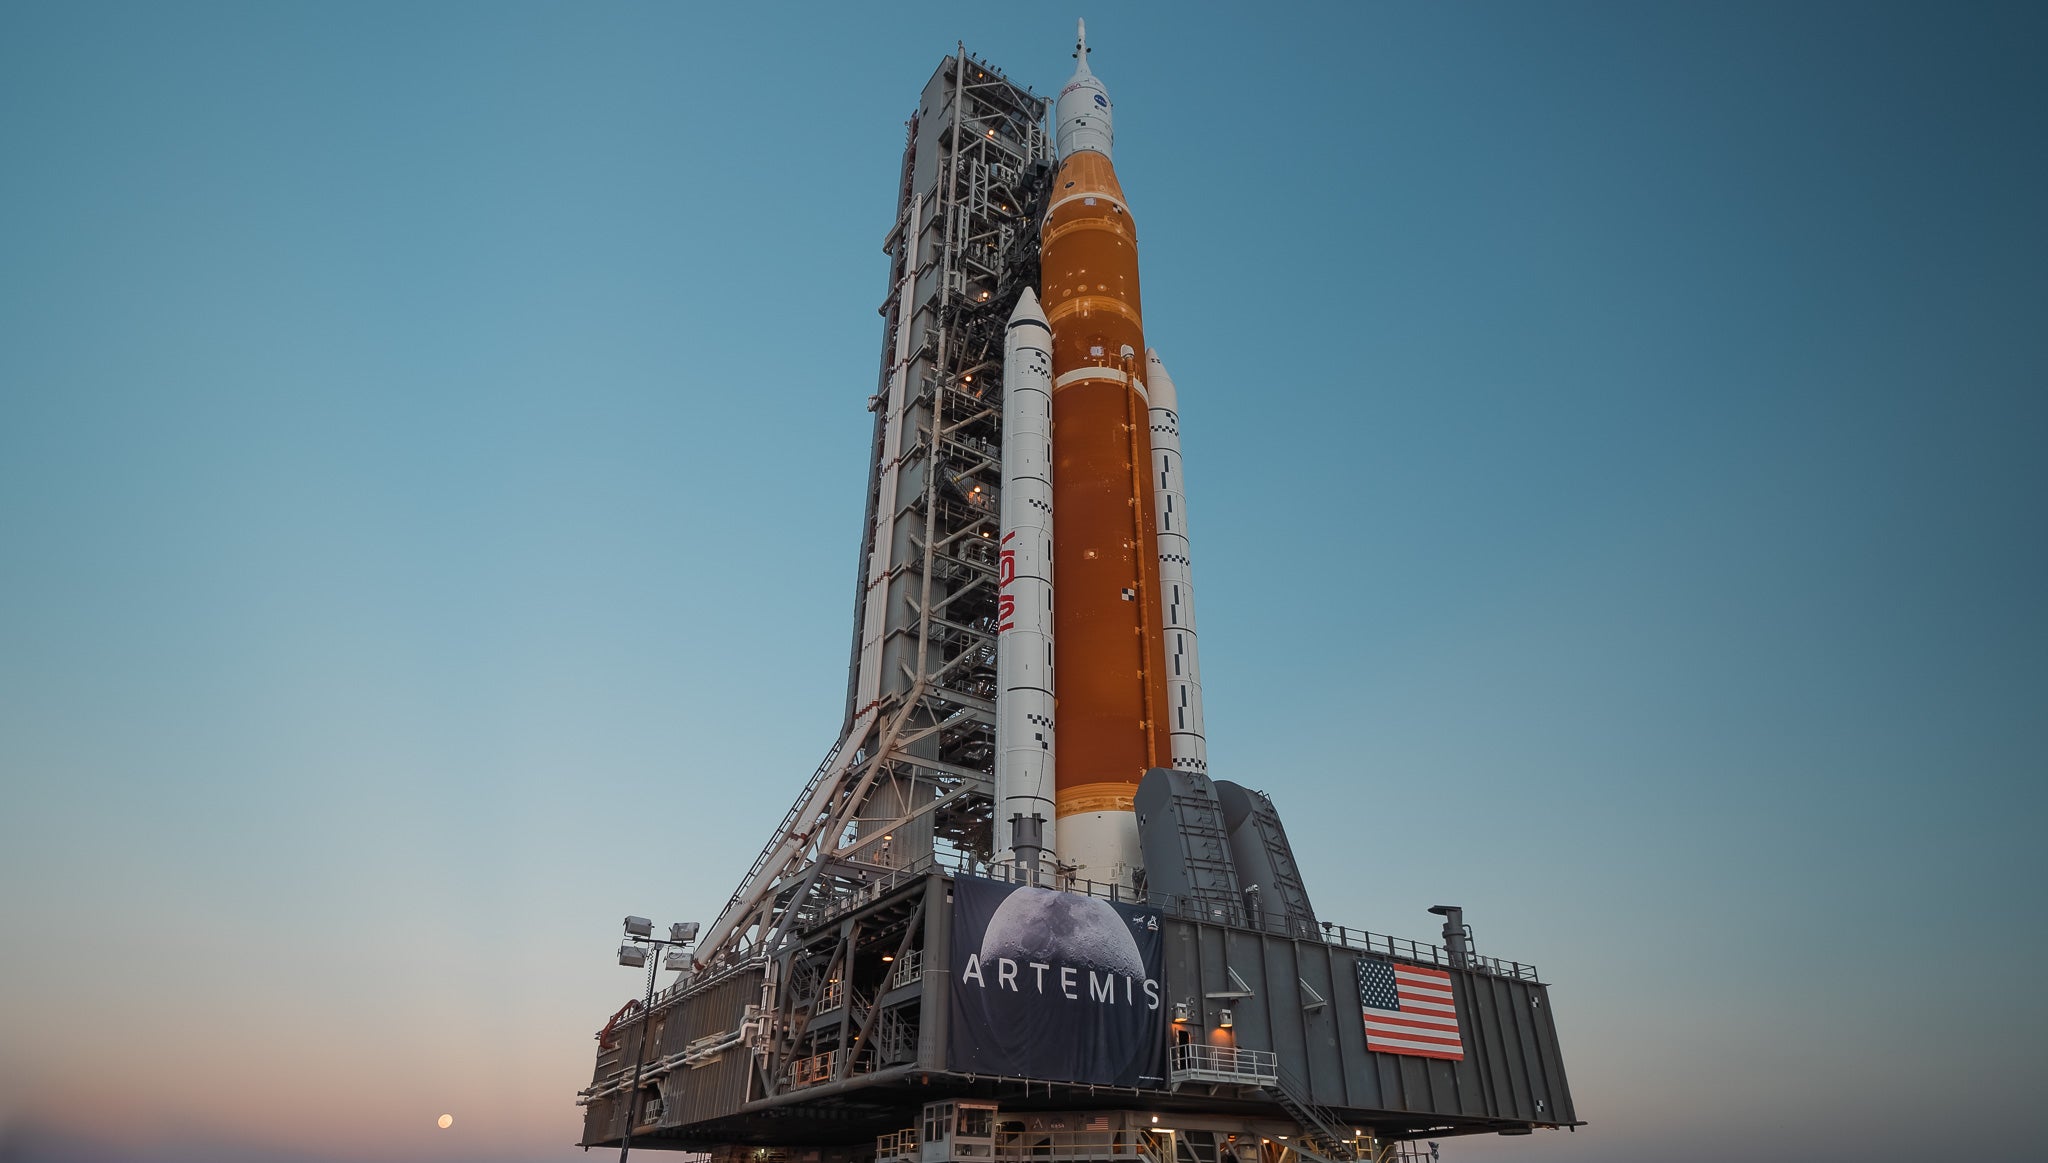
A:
(1062, 928)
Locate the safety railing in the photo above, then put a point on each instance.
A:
(699, 982)
(897, 1146)
(1069, 1146)
(1220, 912)
(1198, 1063)
(1402, 949)
(815, 1069)
(909, 968)
(874, 890)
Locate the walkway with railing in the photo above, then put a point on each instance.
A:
(1069, 1146)
(1226, 1064)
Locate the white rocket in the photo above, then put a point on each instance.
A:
(1176, 574)
(1024, 789)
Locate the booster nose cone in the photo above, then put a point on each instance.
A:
(1028, 310)
(1159, 385)
(1083, 110)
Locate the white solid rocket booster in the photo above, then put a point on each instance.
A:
(1024, 701)
(1176, 574)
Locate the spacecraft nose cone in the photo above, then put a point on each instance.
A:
(1027, 309)
(1159, 385)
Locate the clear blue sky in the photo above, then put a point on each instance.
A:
(431, 467)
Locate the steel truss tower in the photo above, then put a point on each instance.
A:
(910, 777)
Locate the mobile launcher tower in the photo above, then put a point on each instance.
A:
(1012, 916)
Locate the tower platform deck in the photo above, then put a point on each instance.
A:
(1264, 1036)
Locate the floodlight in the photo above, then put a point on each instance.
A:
(639, 927)
(683, 931)
(1224, 1020)
(676, 959)
(633, 956)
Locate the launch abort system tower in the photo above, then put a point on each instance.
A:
(963, 943)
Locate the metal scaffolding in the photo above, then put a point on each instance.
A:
(909, 778)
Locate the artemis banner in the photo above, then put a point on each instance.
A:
(1055, 985)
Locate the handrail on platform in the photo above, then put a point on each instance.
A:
(1195, 1062)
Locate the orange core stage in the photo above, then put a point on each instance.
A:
(1109, 648)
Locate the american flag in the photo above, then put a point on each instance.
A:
(1409, 1010)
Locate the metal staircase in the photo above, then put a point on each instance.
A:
(1321, 1130)
(895, 1038)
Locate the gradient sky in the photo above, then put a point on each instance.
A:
(431, 469)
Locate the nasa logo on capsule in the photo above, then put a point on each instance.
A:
(1102, 100)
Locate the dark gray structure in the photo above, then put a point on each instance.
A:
(1268, 1042)
(1265, 860)
(1185, 840)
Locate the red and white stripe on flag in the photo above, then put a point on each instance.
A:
(1409, 1010)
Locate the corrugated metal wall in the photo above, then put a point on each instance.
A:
(1511, 1070)
(687, 1095)
(692, 1095)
